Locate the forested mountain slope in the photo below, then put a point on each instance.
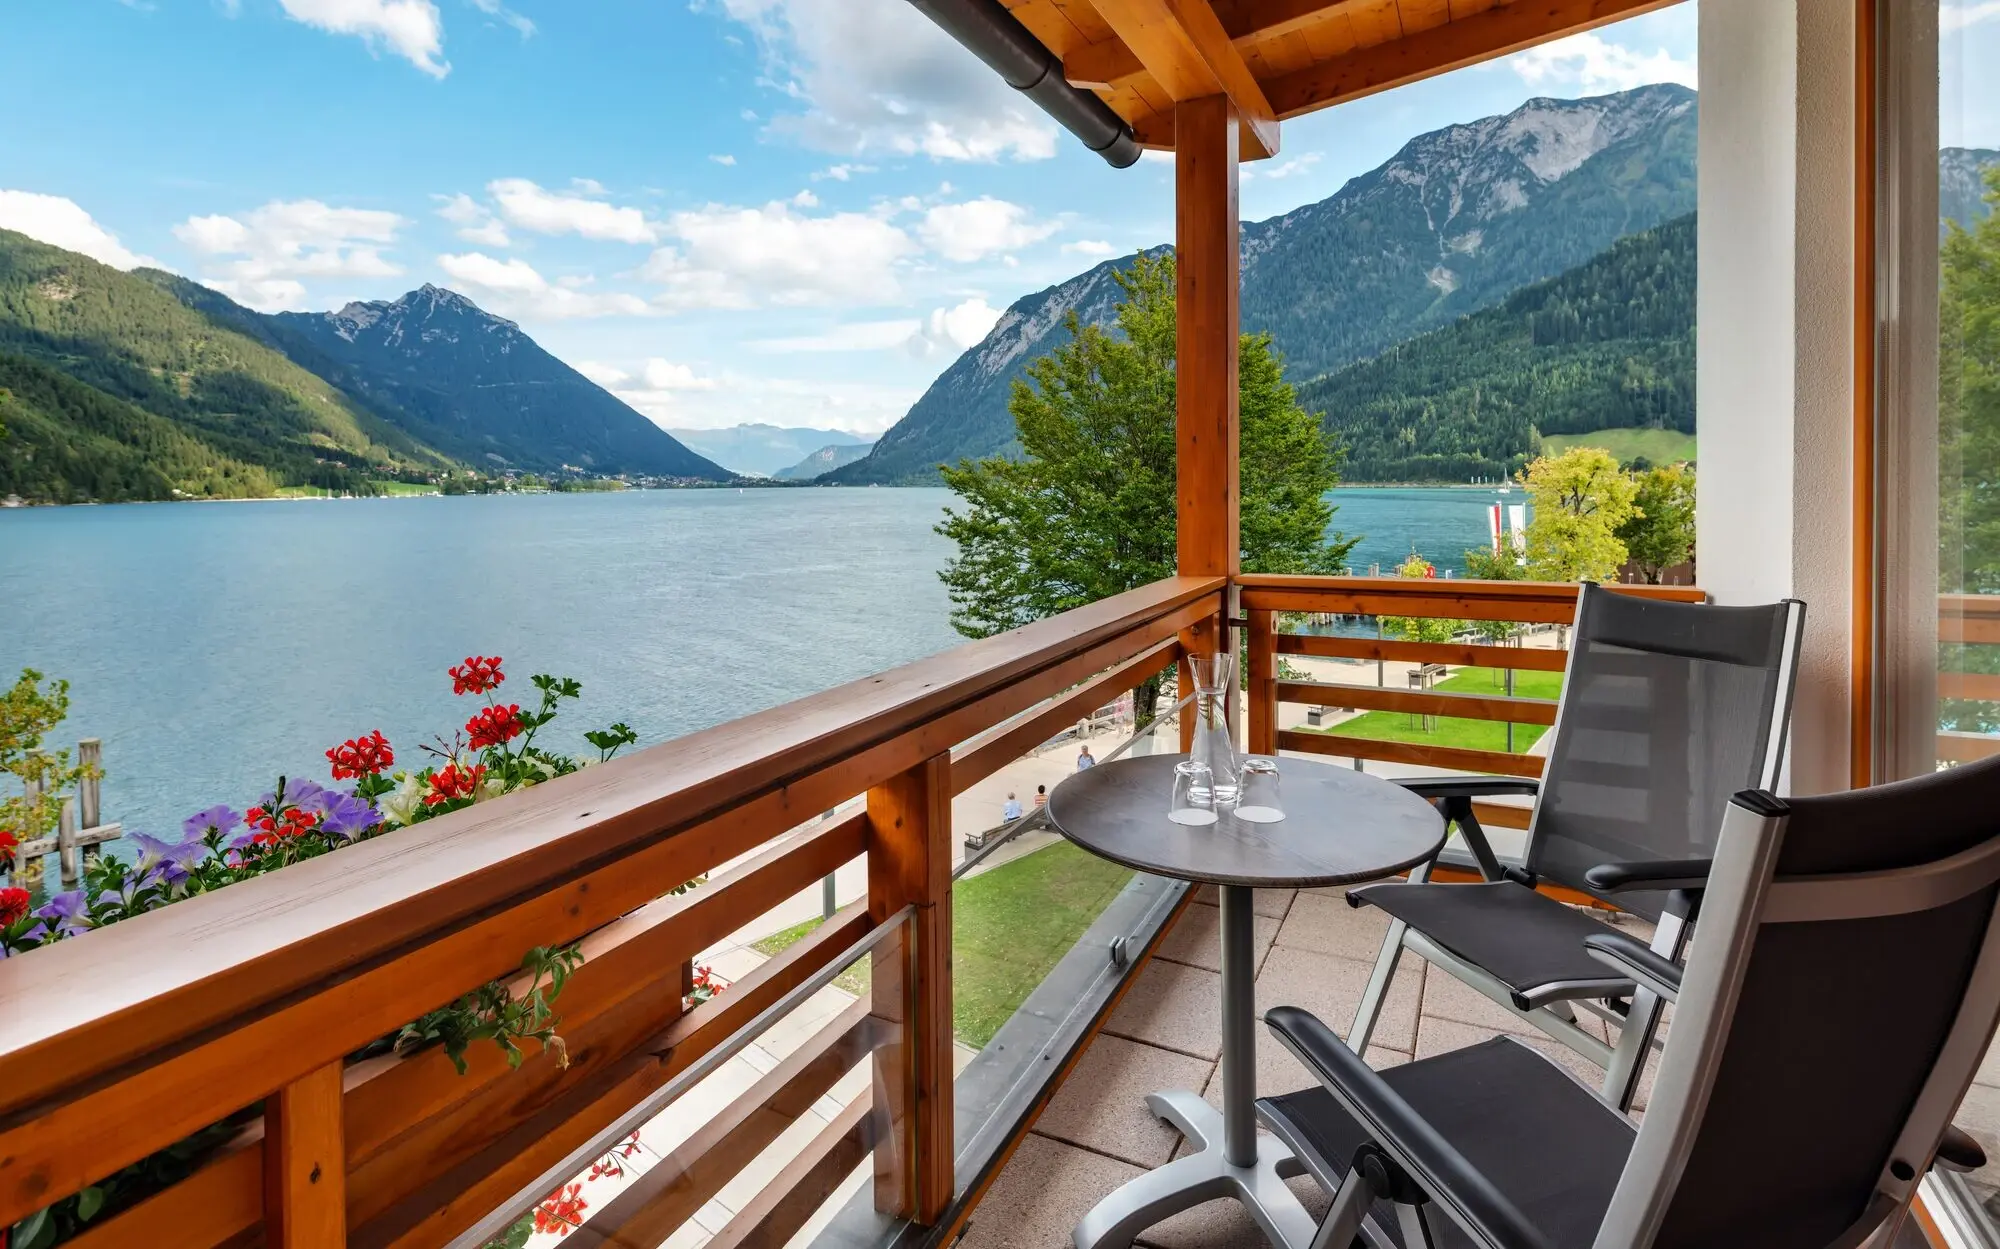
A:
(1608, 345)
(1452, 223)
(125, 336)
(474, 386)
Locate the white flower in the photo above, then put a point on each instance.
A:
(401, 806)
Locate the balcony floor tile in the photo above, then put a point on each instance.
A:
(1197, 939)
(1102, 1106)
(1046, 1188)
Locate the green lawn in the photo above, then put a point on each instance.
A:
(1398, 726)
(405, 487)
(1010, 926)
(1661, 446)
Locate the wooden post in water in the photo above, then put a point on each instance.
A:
(90, 756)
(68, 853)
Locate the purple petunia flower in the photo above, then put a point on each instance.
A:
(68, 913)
(216, 820)
(348, 816)
(152, 851)
(306, 796)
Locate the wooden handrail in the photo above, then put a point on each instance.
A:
(87, 1006)
(118, 1043)
(1533, 602)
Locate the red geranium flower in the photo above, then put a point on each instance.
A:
(477, 675)
(452, 782)
(8, 843)
(268, 828)
(14, 904)
(494, 726)
(561, 1211)
(361, 756)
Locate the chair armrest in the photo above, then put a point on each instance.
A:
(1471, 786)
(1626, 953)
(1416, 1146)
(1957, 1151)
(1686, 875)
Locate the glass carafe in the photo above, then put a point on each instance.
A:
(1212, 744)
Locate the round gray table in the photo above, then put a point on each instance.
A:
(1341, 827)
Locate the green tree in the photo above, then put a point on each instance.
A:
(1486, 564)
(1969, 404)
(1580, 500)
(1088, 508)
(1660, 533)
(1421, 628)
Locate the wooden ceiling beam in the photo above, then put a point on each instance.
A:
(1496, 32)
(1110, 64)
(1183, 46)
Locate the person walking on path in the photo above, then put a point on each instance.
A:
(1085, 760)
(1012, 811)
(1041, 796)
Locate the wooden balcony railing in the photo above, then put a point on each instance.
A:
(123, 1041)
(1266, 600)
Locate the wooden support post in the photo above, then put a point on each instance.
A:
(89, 790)
(909, 864)
(305, 1164)
(1263, 684)
(1207, 326)
(1205, 338)
(69, 855)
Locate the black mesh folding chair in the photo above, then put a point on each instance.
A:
(1830, 1019)
(1667, 709)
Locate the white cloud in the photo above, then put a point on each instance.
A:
(1090, 247)
(863, 408)
(493, 8)
(853, 336)
(724, 159)
(605, 375)
(476, 223)
(726, 257)
(1297, 165)
(264, 255)
(979, 228)
(411, 29)
(964, 325)
(882, 77)
(514, 288)
(805, 199)
(655, 388)
(63, 223)
(1157, 157)
(841, 173)
(524, 204)
(1591, 63)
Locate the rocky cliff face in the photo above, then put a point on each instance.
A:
(1453, 223)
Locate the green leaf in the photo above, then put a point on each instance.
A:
(89, 1202)
(37, 1231)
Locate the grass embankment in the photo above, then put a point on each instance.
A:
(1661, 446)
(1010, 926)
(1399, 726)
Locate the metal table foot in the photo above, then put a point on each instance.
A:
(1202, 1176)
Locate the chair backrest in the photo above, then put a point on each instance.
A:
(1840, 995)
(1667, 709)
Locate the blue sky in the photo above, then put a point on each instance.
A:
(794, 211)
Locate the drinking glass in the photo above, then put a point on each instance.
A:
(1257, 800)
(1194, 789)
(1212, 745)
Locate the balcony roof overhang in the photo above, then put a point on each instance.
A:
(1111, 71)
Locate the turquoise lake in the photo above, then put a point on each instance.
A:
(214, 646)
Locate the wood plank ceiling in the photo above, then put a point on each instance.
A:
(1280, 58)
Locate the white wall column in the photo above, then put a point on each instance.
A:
(1774, 378)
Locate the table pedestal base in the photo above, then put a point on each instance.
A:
(1202, 1176)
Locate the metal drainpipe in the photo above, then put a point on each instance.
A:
(995, 36)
